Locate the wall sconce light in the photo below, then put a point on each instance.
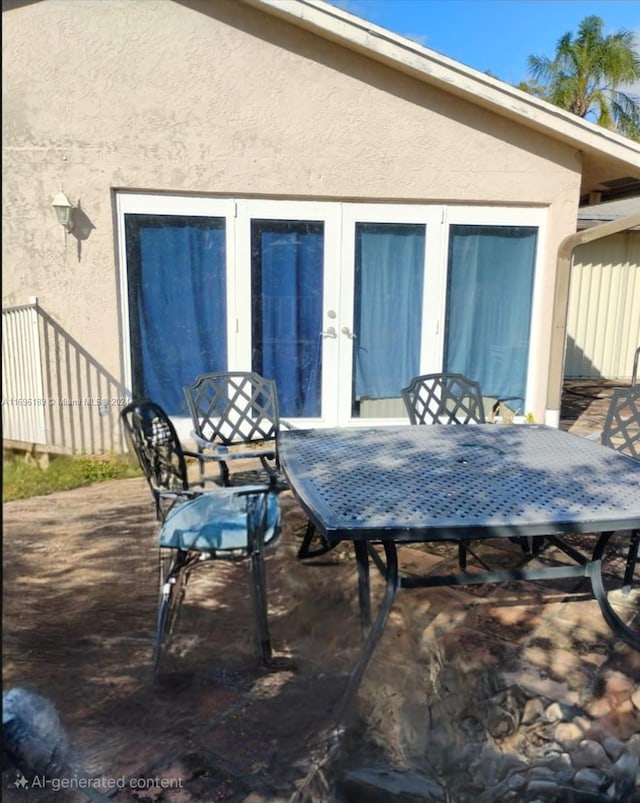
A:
(64, 211)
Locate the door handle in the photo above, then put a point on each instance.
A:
(346, 331)
(330, 332)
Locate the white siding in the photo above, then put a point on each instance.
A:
(603, 323)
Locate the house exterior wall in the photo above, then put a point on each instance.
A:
(603, 323)
(218, 98)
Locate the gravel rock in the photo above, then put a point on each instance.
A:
(567, 733)
(589, 778)
(589, 754)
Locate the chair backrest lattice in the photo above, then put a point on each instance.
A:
(154, 440)
(636, 362)
(622, 425)
(444, 398)
(233, 407)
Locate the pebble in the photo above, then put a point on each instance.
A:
(600, 707)
(541, 773)
(633, 745)
(554, 713)
(567, 732)
(532, 710)
(619, 685)
(589, 754)
(588, 778)
(541, 787)
(613, 747)
(626, 765)
(516, 782)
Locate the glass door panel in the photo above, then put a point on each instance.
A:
(387, 317)
(489, 303)
(176, 285)
(287, 269)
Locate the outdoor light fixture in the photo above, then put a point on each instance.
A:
(63, 208)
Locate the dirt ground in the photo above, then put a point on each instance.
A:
(80, 591)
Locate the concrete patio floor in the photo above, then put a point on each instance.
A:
(80, 592)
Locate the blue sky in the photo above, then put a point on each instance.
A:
(493, 35)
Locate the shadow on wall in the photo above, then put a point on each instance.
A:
(54, 392)
(82, 228)
(577, 365)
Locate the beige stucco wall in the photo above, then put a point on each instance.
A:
(215, 97)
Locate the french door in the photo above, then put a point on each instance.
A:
(390, 306)
(287, 286)
(336, 306)
(340, 303)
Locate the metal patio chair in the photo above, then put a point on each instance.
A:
(618, 580)
(153, 439)
(452, 398)
(622, 425)
(235, 415)
(198, 525)
(444, 398)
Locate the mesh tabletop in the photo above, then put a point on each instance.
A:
(435, 482)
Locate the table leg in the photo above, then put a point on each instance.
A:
(625, 585)
(259, 591)
(364, 590)
(373, 636)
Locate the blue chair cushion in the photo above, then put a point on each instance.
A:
(219, 521)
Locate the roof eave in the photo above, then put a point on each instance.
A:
(431, 67)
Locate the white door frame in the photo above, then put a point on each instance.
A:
(339, 221)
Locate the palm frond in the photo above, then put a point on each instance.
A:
(586, 72)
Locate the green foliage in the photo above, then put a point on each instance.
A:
(22, 480)
(587, 76)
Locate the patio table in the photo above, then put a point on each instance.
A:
(406, 484)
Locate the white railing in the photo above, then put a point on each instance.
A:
(24, 404)
(54, 393)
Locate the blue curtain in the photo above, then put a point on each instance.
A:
(177, 304)
(388, 307)
(489, 293)
(287, 288)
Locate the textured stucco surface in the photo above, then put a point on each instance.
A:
(218, 98)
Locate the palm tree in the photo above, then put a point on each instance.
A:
(585, 75)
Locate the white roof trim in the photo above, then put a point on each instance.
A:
(432, 67)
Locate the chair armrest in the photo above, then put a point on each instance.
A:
(220, 452)
(287, 425)
(231, 490)
(175, 495)
(201, 442)
(247, 490)
(200, 456)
